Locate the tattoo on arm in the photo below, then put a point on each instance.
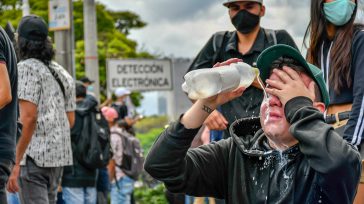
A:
(207, 109)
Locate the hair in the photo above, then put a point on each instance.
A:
(41, 50)
(341, 49)
(289, 62)
(80, 90)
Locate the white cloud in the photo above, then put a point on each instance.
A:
(181, 28)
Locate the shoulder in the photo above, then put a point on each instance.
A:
(283, 37)
(358, 37)
(30, 65)
(59, 69)
(115, 135)
(3, 36)
(282, 34)
(64, 75)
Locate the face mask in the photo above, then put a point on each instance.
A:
(245, 22)
(90, 88)
(339, 12)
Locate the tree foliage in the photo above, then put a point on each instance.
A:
(112, 29)
(126, 20)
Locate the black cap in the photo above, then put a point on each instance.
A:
(86, 80)
(33, 27)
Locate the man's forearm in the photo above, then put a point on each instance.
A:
(27, 132)
(197, 114)
(5, 88)
(71, 118)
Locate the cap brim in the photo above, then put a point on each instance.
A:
(227, 3)
(269, 55)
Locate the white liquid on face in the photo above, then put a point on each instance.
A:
(265, 101)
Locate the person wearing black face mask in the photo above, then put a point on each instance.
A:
(245, 43)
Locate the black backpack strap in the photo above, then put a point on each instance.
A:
(56, 77)
(217, 44)
(271, 36)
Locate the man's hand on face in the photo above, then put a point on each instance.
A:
(288, 85)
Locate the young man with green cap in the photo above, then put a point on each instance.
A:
(293, 157)
(246, 43)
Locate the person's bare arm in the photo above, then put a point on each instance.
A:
(28, 117)
(204, 107)
(71, 118)
(111, 169)
(200, 110)
(5, 88)
(107, 102)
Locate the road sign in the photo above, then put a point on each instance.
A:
(139, 74)
(59, 15)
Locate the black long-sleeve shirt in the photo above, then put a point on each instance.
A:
(322, 168)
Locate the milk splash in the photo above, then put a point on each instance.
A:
(265, 100)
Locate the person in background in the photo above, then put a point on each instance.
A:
(122, 186)
(336, 45)
(47, 104)
(88, 84)
(79, 182)
(8, 110)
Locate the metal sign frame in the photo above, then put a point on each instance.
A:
(108, 77)
(59, 9)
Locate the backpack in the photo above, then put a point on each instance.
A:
(133, 160)
(218, 40)
(93, 148)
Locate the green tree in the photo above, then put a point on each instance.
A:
(126, 20)
(112, 29)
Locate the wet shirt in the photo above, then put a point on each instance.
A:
(249, 103)
(8, 114)
(321, 168)
(51, 144)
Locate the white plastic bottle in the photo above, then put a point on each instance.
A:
(203, 83)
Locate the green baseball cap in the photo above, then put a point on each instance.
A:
(233, 1)
(272, 53)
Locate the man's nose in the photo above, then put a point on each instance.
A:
(274, 101)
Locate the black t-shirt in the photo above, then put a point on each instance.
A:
(247, 105)
(121, 109)
(8, 114)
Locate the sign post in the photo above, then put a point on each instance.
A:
(61, 22)
(139, 74)
(59, 15)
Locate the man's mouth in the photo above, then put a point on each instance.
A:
(274, 116)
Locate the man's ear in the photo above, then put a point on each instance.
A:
(262, 11)
(319, 106)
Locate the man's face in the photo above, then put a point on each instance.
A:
(251, 7)
(86, 84)
(273, 119)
